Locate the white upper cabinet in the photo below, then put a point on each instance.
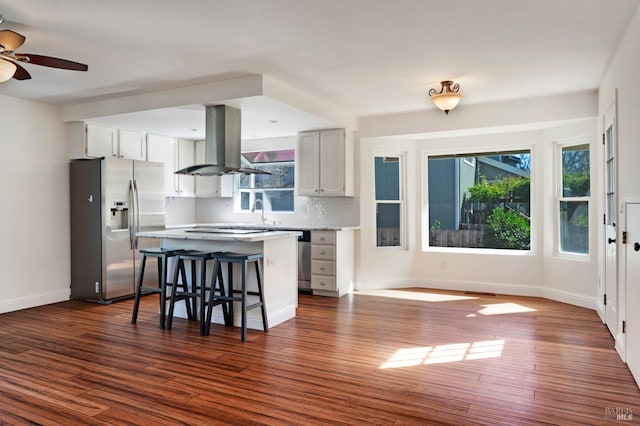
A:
(308, 164)
(132, 145)
(100, 141)
(324, 163)
(103, 141)
(186, 156)
(163, 149)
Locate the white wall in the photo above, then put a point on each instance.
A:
(542, 272)
(34, 186)
(622, 74)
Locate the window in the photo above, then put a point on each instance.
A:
(480, 200)
(275, 190)
(388, 199)
(573, 197)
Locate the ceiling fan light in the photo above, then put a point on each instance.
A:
(7, 70)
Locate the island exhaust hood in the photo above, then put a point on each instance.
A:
(221, 145)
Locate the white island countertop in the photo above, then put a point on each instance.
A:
(267, 226)
(213, 233)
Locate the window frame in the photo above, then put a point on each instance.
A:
(252, 190)
(467, 151)
(560, 197)
(402, 197)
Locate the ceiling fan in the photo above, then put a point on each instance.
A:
(10, 60)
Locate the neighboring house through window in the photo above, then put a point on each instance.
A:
(479, 200)
(276, 190)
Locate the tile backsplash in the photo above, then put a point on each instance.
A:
(179, 210)
(331, 211)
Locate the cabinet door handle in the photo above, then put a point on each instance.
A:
(322, 252)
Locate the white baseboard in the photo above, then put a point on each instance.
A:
(620, 346)
(32, 301)
(484, 287)
(570, 298)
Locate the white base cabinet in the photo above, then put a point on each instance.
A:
(324, 163)
(332, 262)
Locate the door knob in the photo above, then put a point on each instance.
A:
(611, 240)
(636, 246)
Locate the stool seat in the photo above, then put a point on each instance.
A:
(159, 251)
(162, 255)
(231, 258)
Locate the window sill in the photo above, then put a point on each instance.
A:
(479, 251)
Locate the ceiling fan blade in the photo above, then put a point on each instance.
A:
(11, 40)
(52, 62)
(21, 73)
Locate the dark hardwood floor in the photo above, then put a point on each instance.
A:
(401, 357)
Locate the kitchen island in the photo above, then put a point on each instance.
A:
(280, 285)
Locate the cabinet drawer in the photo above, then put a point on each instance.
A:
(323, 283)
(323, 237)
(323, 252)
(323, 267)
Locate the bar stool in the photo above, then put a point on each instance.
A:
(197, 291)
(243, 259)
(162, 255)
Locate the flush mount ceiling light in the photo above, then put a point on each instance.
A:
(448, 96)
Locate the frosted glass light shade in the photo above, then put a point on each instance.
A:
(7, 69)
(446, 101)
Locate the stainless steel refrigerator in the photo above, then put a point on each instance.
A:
(111, 200)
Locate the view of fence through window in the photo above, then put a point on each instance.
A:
(574, 200)
(480, 200)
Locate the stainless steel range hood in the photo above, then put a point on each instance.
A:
(221, 145)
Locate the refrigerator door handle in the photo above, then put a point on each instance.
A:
(130, 217)
(137, 213)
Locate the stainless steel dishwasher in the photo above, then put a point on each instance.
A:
(304, 262)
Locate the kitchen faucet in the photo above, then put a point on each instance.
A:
(253, 208)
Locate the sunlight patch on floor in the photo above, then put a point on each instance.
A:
(504, 308)
(452, 352)
(414, 295)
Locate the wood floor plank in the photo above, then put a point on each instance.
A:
(398, 357)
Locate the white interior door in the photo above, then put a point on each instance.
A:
(611, 218)
(632, 261)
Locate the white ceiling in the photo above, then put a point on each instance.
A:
(368, 57)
